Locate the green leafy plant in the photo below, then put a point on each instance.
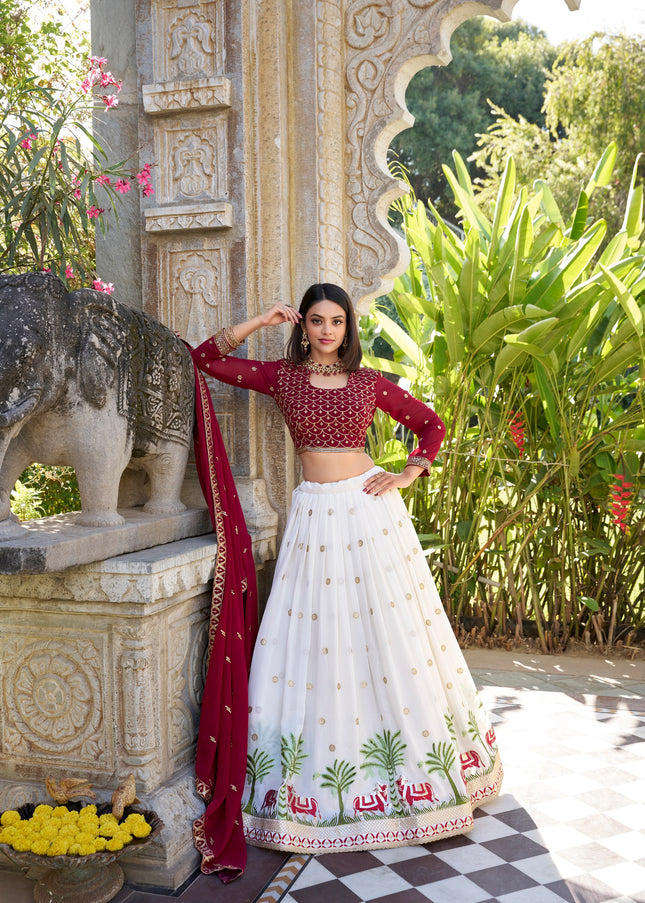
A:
(54, 174)
(528, 340)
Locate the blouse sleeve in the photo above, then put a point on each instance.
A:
(415, 415)
(213, 360)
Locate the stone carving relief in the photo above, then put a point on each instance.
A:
(193, 287)
(387, 41)
(194, 160)
(187, 651)
(54, 705)
(188, 39)
(140, 702)
(179, 218)
(203, 93)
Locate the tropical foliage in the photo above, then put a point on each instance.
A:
(528, 340)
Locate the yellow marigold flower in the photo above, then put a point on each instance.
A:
(40, 847)
(73, 849)
(68, 831)
(84, 837)
(59, 847)
(10, 817)
(109, 829)
(108, 817)
(140, 829)
(7, 833)
(88, 810)
(114, 844)
(43, 810)
(100, 843)
(86, 849)
(49, 832)
(125, 836)
(22, 844)
(60, 811)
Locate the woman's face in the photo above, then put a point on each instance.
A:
(326, 325)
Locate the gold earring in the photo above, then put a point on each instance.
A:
(304, 341)
(343, 347)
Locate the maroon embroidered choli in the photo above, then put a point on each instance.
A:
(328, 419)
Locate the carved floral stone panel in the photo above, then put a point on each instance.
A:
(56, 699)
(188, 39)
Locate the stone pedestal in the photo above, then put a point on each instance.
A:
(101, 674)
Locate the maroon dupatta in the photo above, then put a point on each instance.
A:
(220, 762)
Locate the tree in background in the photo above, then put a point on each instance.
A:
(507, 64)
(594, 95)
(31, 47)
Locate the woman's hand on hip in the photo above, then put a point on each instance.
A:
(382, 482)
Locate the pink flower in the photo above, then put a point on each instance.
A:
(110, 101)
(94, 212)
(77, 193)
(123, 186)
(100, 286)
(103, 180)
(26, 142)
(46, 270)
(69, 272)
(147, 190)
(97, 62)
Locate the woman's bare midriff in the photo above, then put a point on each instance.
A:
(329, 467)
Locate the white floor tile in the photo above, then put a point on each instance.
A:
(399, 854)
(632, 816)
(548, 868)
(453, 890)
(489, 829)
(627, 878)
(531, 895)
(566, 809)
(312, 873)
(373, 883)
(470, 859)
(630, 845)
(557, 837)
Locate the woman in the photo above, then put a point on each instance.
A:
(365, 727)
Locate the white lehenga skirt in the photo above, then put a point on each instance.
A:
(365, 726)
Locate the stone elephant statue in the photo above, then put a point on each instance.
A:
(90, 382)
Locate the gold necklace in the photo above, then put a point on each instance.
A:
(324, 369)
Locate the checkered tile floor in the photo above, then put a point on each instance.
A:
(569, 826)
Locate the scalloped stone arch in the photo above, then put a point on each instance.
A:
(386, 43)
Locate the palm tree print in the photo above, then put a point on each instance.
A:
(386, 753)
(442, 758)
(292, 757)
(450, 724)
(339, 777)
(475, 733)
(258, 766)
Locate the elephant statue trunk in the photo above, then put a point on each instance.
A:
(90, 382)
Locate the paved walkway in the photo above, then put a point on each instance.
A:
(569, 825)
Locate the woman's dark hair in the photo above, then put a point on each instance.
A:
(326, 291)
